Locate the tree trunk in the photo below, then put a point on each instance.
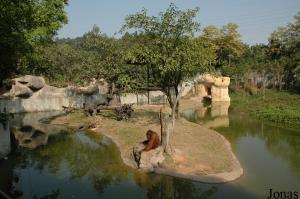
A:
(112, 88)
(264, 85)
(168, 122)
(177, 115)
(236, 82)
(280, 77)
(166, 132)
(176, 103)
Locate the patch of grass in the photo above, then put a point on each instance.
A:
(282, 108)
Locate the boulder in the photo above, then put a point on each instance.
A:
(33, 82)
(148, 160)
(151, 159)
(20, 90)
(103, 87)
(88, 90)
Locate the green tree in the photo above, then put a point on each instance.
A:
(76, 61)
(25, 25)
(109, 53)
(226, 41)
(284, 48)
(64, 64)
(166, 44)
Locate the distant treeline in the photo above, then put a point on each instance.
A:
(151, 51)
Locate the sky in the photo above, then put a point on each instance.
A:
(257, 19)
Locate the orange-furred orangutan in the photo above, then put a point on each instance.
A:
(152, 141)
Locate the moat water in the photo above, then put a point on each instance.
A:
(57, 162)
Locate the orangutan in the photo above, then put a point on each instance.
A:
(152, 141)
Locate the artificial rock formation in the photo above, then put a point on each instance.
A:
(208, 86)
(213, 87)
(148, 160)
(31, 130)
(26, 85)
(32, 94)
(151, 159)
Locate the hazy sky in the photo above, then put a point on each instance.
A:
(256, 18)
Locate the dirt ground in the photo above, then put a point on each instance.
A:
(197, 150)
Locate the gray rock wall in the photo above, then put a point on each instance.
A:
(24, 97)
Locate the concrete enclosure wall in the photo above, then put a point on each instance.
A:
(155, 97)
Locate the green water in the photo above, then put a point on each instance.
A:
(66, 163)
(270, 155)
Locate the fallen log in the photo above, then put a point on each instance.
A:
(122, 112)
(68, 109)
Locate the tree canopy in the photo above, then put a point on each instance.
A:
(158, 51)
(25, 25)
(168, 47)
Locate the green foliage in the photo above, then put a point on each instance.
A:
(76, 61)
(65, 64)
(157, 51)
(284, 48)
(279, 107)
(25, 25)
(166, 44)
(128, 83)
(280, 114)
(225, 41)
(276, 63)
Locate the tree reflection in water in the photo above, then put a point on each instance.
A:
(92, 160)
(81, 164)
(282, 143)
(164, 187)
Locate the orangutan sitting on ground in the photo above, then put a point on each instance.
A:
(152, 142)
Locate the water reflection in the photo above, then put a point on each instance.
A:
(211, 116)
(66, 158)
(5, 146)
(270, 155)
(281, 143)
(80, 165)
(58, 162)
(168, 187)
(67, 164)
